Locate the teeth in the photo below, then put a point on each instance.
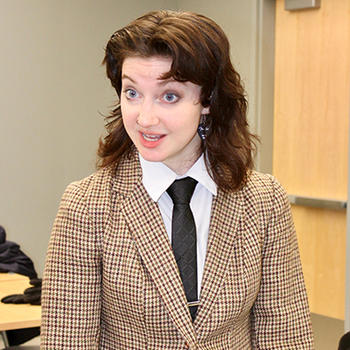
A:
(151, 137)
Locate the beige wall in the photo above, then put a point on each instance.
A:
(53, 88)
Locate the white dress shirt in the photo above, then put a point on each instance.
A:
(157, 177)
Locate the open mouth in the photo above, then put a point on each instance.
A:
(151, 138)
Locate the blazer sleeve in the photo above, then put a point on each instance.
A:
(280, 316)
(72, 279)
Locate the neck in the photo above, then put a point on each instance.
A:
(181, 167)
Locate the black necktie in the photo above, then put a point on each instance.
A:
(184, 239)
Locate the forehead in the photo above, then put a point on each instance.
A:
(146, 67)
(148, 72)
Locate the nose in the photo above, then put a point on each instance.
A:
(147, 116)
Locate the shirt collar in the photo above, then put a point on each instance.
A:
(164, 176)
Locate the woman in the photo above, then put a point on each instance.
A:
(116, 275)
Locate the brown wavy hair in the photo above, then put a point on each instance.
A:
(200, 53)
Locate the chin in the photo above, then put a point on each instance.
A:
(151, 157)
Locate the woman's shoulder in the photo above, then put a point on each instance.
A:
(264, 188)
(91, 189)
(98, 187)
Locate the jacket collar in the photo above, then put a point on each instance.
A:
(128, 174)
(146, 226)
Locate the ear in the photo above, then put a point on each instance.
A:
(205, 110)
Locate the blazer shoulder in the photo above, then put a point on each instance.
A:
(267, 205)
(91, 191)
(265, 189)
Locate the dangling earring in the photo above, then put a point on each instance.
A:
(203, 128)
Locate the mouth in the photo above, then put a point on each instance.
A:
(151, 138)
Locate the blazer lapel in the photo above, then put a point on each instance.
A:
(227, 213)
(146, 226)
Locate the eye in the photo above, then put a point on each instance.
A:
(170, 97)
(130, 94)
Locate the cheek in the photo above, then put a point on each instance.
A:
(124, 109)
(128, 116)
(186, 126)
(193, 118)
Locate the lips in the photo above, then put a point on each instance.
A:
(151, 138)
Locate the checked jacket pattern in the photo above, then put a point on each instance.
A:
(111, 281)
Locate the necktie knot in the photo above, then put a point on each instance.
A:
(181, 190)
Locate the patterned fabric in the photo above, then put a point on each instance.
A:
(111, 281)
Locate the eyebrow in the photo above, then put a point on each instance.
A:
(161, 81)
(124, 76)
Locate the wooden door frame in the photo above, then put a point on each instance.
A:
(264, 83)
(347, 252)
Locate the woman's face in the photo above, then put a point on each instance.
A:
(161, 116)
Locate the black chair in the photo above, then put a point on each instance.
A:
(344, 342)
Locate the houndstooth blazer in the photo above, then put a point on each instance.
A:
(111, 281)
